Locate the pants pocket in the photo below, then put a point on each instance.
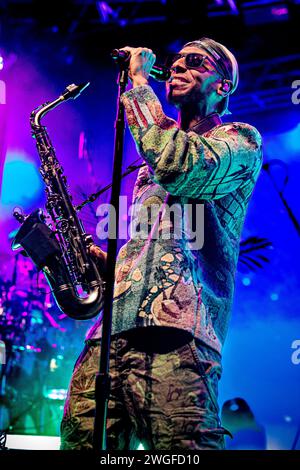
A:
(209, 370)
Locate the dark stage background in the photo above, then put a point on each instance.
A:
(46, 45)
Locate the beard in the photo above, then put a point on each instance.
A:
(180, 99)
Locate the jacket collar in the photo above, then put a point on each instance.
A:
(206, 124)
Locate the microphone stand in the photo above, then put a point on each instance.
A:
(103, 379)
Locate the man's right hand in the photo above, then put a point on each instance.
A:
(98, 254)
(142, 60)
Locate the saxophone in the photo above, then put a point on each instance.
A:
(60, 249)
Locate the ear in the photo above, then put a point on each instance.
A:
(224, 87)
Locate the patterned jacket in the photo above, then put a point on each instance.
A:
(165, 274)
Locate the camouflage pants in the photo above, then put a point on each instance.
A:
(163, 394)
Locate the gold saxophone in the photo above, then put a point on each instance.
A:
(62, 250)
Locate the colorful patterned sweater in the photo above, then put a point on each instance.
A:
(169, 281)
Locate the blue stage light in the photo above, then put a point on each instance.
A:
(288, 143)
(21, 184)
(292, 140)
(246, 281)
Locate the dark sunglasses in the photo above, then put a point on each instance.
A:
(192, 60)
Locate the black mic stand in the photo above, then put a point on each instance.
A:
(103, 380)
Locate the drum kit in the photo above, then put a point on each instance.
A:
(34, 363)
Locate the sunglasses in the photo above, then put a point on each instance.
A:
(192, 60)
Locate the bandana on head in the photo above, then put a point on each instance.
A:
(225, 61)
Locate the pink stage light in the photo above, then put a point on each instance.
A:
(279, 11)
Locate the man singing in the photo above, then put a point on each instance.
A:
(172, 298)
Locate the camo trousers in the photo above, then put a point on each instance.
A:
(163, 395)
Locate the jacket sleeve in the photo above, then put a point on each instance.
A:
(188, 164)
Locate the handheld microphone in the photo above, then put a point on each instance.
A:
(158, 72)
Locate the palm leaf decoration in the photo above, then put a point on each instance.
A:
(253, 253)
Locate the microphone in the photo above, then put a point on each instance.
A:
(158, 72)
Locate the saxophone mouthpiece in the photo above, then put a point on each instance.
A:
(73, 91)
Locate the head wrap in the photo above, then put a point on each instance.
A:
(225, 63)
